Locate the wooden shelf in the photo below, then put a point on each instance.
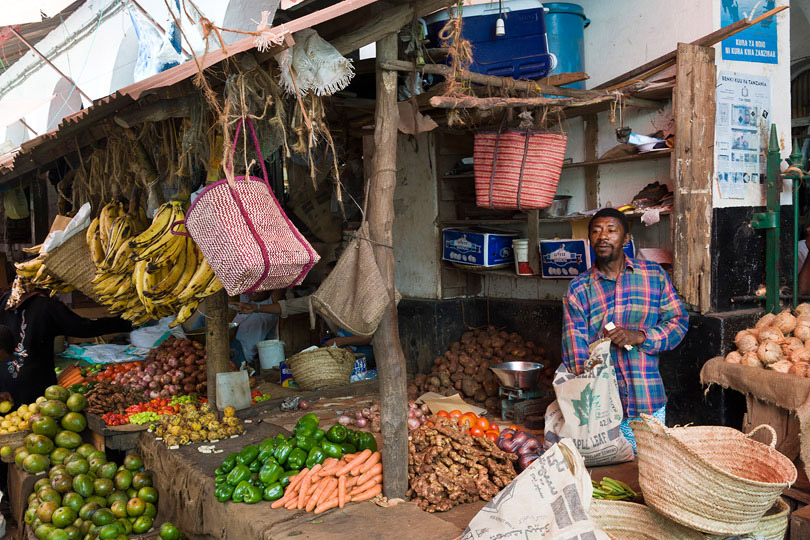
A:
(659, 154)
(503, 272)
(583, 217)
(462, 222)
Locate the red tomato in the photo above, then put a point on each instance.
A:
(483, 423)
(455, 414)
(476, 432)
(491, 435)
(443, 414)
(469, 418)
(493, 426)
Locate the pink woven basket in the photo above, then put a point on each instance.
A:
(517, 170)
(244, 234)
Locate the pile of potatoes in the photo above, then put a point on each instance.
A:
(779, 342)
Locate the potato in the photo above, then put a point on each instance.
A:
(456, 376)
(434, 381)
(469, 386)
(470, 370)
(480, 395)
(492, 404)
(444, 377)
(437, 360)
(490, 387)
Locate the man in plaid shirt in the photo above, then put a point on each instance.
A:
(638, 298)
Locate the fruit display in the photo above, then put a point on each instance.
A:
(524, 445)
(263, 472)
(613, 490)
(447, 467)
(464, 368)
(257, 396)
(476, 426)
(193, 424)
(779, 342)
(17, 420)
(148, 274)
(151, 411)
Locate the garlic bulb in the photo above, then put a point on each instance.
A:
(803, 309)
(800, 368)
(769, 352)
(791, 344)
(802, 331)
(734, 357)
(770, 333)
(782, 366)
(766, 320)
(800, 355)
(803, 319)
(745, 342)
(751, 359)
(785, 322)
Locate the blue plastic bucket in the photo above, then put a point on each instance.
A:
(565, 24)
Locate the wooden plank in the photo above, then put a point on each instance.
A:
(693, 169)
(559, 79)
(591, 171)
(155, 112)
(217, 345)
(485, 104)
(800, 524)
(658, 154)
(387, 346)
(534, 236)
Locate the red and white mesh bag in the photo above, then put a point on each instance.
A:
(244, 234)
(517, 169)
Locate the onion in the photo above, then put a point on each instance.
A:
(526, 460)
(342, 420)
(366, 412)
(303, 404)
(413, 423)
(418, 413)
(425, 408)
(150, 369)
(359, 414)
(375, 408)
(411, 414)
(520, 437)
(146, 378)
(734, 357)
(154, 394)
(411, 404)
(362, 422)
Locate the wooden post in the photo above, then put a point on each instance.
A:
(591, 171)
(217, 346)
(387, 348)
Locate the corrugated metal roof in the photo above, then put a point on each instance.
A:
(87, 122)
(12, 49)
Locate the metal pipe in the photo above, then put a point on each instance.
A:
(796, 241)
(19, 36)
(750, 299)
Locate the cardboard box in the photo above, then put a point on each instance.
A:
(568, 258)
(478, 246)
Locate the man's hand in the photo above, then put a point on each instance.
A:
(244, 307)
(622, 336)
(336, 342)
(5, 396)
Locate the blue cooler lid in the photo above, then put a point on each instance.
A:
(489, 8)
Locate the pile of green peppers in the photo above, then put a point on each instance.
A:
(261, 473)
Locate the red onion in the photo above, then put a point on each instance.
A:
(375, 408)
(425, 408)
(526, 460)
(362, 422)
(413, 423)
(359, 415)
(303, 404)
(366, 412)
(417, 413)
(342, 420)
(146, 378)
(411, 414)
(154, 394)
(520, 438)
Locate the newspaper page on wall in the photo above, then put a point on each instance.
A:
(743, 107)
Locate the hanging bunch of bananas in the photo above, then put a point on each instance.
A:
(150, 274)
(36, 272)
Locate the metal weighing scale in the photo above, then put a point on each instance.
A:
(520, 392)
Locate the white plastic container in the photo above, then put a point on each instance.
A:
(271, 353)
(233, 389)
(520, 247)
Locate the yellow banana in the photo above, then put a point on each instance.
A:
(29, 268)
(91, 230)
(164, 217)
(213, 286)
(185, 312)
(167, 284)
(138, 278)
(198, 282)
(96, 249)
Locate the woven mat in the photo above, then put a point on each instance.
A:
(786, 391)
(71, 262)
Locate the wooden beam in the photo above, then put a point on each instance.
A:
(155, 112)
(591, 171)
(385, 22)
(387, 347)
(217, 345)
(693, 170)
(664, 61)
(533, 230)
(483, 104)
(560, 79)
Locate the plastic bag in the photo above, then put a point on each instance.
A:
(152, 336)
(156, 53)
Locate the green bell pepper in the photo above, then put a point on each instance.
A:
(253, 494)
(306, 443)
(285, 477)
(297, 459)
(331, 449)
(309, 417)
(255, 465)
(266, 449)
(247, 455)
(316, 456)
(254, 480)
(273, 492)
(239, 492)
(220, 479)
(283, 451)
(307, 425)
(224, 492)
(270, 473)
(348, 448)
(227, 464)
(337, 433)
(238, 474)
(319, 435)
(366, 441)
(352, 436)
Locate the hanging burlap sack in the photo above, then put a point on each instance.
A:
(354, 296)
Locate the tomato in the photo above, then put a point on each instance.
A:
(513, 426)
(443, 414)
(428, 423)
(455, 414)
(469, 418)
(494, 426)
(491, 435)
(476, 432)
(483, 423)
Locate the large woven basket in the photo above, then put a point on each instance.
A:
(323, 367)
(710, 478)
(773, 525)
(630, 521)
(71, 262)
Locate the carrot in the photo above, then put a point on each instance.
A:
(368, 485)
(295, 481)
(327, 465)
(341, 491)
(316, 494)
(374, 459)
(288, 496)
(329, 492)
(351, 482)
(291, 504)
(306, 485)
(373, 471)
(361, 457)
(368, 494)
(328, 505)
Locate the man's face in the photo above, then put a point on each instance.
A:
(607, 238)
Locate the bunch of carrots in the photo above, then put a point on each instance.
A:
(352, 478)
(69, 376)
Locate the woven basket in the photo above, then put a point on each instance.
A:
(773, 525)
(71, 262)
(710, 478)
(630, 521)
(320, 368)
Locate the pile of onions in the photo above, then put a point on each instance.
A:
(175, 367)
(525, 445)
(370, 417)
(417, 414)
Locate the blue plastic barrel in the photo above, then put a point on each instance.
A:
(565, 24)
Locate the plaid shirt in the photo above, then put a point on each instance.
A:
(641, 299)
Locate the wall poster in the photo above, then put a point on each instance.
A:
(755, 44)
(743, 106)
